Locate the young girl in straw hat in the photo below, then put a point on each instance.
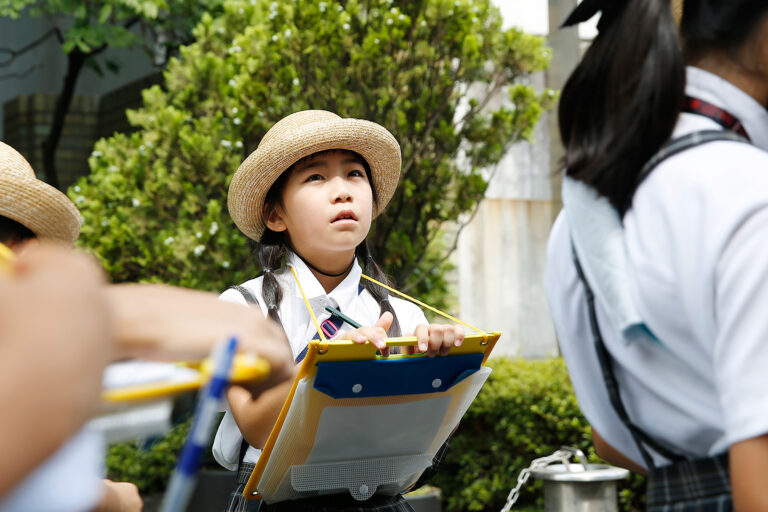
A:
(308, 195)
(71, 478)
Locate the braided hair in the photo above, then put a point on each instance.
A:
(274, 248)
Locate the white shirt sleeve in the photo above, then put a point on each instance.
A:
(408, 314)
(740, 352)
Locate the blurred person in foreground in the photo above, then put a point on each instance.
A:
(61, 324)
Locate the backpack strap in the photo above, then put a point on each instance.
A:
(249, 297)
(676, 146)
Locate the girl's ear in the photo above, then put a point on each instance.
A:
(275, 221)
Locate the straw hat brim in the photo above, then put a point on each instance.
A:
(41, 208)
(260, 170)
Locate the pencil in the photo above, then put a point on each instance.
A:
(344, 317)
(182, 482)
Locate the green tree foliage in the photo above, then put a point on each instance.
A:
(526, 410)
(155, 203)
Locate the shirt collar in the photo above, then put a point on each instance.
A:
(343, 294)
(718, 91)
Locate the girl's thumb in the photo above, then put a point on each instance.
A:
(385, 321)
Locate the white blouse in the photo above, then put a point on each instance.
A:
(697, 243)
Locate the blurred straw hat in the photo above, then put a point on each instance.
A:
(297, 136)
(41, 208)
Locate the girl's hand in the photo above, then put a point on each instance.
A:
(375, 334)
(438, 338)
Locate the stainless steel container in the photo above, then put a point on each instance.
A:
(580, 488)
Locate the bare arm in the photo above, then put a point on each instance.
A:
(55, 339)
(749, 467)
(612, 455)
(158, 321)
(255, 416)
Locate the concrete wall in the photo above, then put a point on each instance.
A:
(502, 253)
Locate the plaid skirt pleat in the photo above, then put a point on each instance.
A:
(237, 503)
(700, 485)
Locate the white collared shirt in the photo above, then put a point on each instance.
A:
(697, 240)
(300, 329)
(70, 480)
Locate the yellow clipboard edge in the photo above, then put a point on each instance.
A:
(307, 367)
(347, 350)
(245, 368)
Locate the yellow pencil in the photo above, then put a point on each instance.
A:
(6, 258)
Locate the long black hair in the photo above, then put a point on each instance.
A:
(274, 247)
(622, 102)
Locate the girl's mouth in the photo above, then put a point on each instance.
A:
(346, 215)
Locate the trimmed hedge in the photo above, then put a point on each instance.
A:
(526, 410)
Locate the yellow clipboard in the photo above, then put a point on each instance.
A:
(323, 351)
(246, 368)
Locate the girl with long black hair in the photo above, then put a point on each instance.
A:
(657, 277)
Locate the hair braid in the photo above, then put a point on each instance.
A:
(272, 252)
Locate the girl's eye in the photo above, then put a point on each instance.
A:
(314, 177)
(356, 174)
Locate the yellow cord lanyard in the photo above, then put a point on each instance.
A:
(388, 288)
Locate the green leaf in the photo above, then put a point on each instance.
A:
(105, 12)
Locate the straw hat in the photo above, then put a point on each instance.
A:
(41, 208)
(300, 135)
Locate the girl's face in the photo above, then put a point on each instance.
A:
(326, 208)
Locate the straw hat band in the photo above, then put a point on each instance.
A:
(301, 135)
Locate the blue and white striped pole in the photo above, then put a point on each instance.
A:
(182, 482)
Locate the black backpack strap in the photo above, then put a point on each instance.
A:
(676, 146)
(640, 437)
(250, 298)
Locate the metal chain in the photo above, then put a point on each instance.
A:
(562, 455)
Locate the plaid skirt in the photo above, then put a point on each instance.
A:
(700, 485)
(330, 503)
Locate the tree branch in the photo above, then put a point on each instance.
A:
(12, 54)
(448, 253)
(21, 75)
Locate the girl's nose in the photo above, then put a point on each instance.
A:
(341, 193)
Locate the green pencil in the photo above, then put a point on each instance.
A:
(344, 317)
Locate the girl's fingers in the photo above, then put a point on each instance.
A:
(459, 335)
(436, 333)
(375, 335)
(385, 321)
(355, 335)
(422, 337)
(449, 335)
